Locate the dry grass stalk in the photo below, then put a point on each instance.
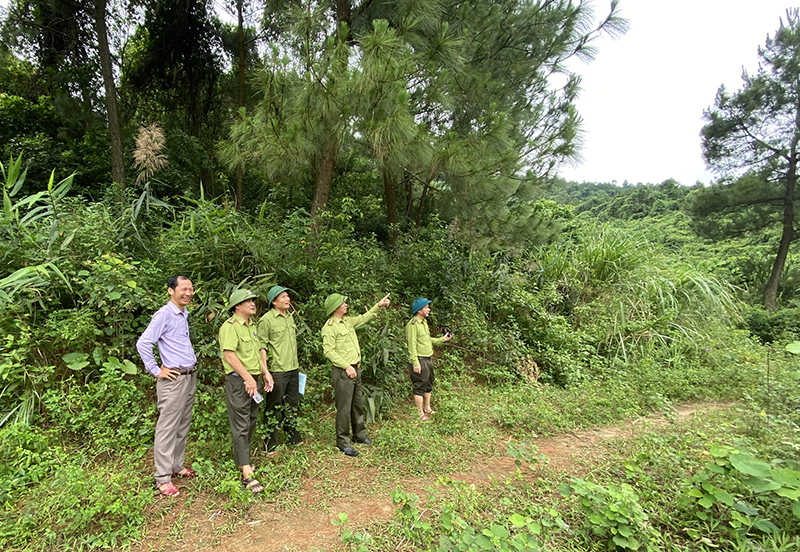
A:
(147, 156)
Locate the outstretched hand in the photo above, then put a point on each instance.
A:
(385, 301)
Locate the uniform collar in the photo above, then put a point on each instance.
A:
(276, 313)
(241, 320)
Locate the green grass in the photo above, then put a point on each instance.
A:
(89, 497)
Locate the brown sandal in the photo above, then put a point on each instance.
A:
(168, 489)
(252, 485)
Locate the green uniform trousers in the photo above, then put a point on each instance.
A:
(280, 408)
(349, 398)
(242, 416)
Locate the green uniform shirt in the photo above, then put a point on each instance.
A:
(278, 335)
(241, 337)
(339, 340)
(420, 342)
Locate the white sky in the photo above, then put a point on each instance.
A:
(643, 96)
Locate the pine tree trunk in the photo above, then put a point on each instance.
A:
(391, 204)
(238, 191)
(114, 126)
(322, 185)
(771, 293)
(422, 203)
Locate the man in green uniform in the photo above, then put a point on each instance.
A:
(244, 359)
(278, 335)
(340, 345)
(420, 353)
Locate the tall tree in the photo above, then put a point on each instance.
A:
(468, 103)
(756, 131)
(69, 41)
(112, 112)
(172, 71)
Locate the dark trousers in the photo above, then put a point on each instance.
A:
(280, 408)
(349, 407)
(242, 417)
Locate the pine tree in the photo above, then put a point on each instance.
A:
(756, 131)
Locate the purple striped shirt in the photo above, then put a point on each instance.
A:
(169, 329)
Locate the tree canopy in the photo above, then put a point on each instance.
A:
(751, 138)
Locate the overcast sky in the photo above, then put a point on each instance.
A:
(644, 94)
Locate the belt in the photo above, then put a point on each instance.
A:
(187, 371)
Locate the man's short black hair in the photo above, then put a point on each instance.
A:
(172, 283)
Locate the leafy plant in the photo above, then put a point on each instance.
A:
(613, 512)
(745, 492)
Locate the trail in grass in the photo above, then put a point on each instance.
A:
(305, 523)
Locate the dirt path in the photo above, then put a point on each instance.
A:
(306, 524)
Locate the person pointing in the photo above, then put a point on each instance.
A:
(340, 345)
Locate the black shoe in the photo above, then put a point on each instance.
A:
(366, 441)
(349, 451)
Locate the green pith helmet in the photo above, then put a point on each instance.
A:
(240, 295)
(274, 291)
(333, 302)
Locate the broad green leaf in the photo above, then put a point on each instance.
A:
(565, 489)
(697, 493)
(447, 521)
(7, 209)
(745, 509)
(68, 240)
(114, 295)
(794, 347)
(761, 485)
(724, 497)
(787, 477)
(796, 509)
(500, 531)
(622, 542)
(705, 503)
(130, 283)
(786, 492)
(517, 520)
(766, 526)
(749, 465)
(718, 450)
(76, 361)
(129, 367)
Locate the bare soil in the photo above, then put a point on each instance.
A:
(304, 521)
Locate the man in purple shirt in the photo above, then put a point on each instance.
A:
(175, 382)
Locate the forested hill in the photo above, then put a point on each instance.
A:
(626, 201)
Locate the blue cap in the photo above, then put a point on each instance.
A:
(419, 304)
